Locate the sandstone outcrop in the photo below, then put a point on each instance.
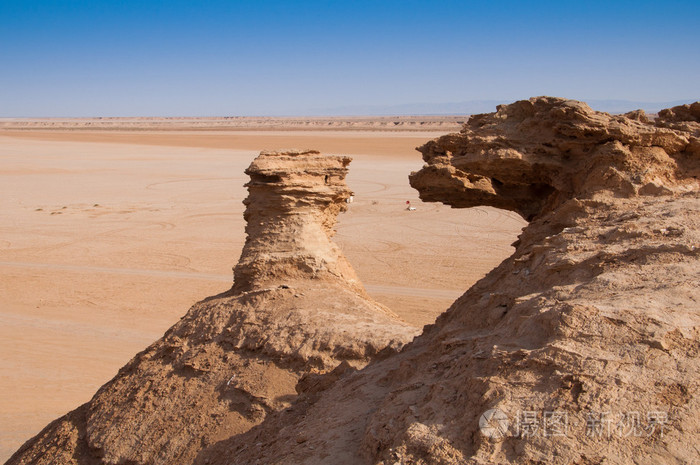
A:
(581, 348)
(296, 311)
(534, 155)
(290, 215)
(683, 116)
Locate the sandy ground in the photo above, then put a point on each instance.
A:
(106, 238)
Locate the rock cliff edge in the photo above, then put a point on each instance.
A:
(581, 348)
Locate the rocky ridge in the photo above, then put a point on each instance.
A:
(296, 310)
(534, 155)
(584, 344)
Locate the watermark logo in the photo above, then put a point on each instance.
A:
(493, 424)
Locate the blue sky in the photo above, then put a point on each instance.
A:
(215, 57)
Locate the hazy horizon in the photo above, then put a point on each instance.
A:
(444, 109)
(271, 58)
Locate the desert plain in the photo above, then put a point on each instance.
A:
(111, 229)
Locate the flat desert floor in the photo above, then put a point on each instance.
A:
(108, 237)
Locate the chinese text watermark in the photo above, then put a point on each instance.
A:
(496, 424)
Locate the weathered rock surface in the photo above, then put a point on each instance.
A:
(534, 155)
(682, 117)
(296, 310)
(587, 338)
(290, 215)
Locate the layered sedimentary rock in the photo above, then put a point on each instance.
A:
(290, 215)
(296, 311)
(534, 155)
(582, 347)
(684, 117)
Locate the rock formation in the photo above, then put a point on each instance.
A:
(534, 155)
(296, 311)
(582, 347)
(682, 117)
(290, 215)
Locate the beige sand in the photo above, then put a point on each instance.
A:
(106, 238)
